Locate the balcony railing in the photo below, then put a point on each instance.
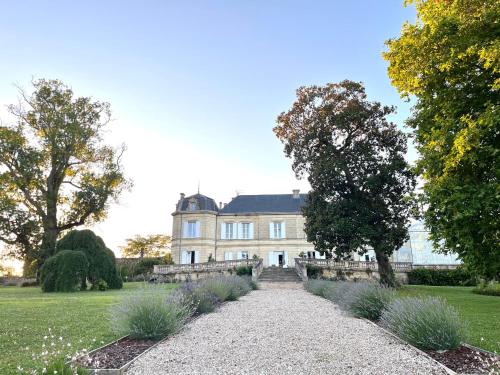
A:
(204, 267)
(352, 264)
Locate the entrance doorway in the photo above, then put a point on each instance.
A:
(280, 260)
(193, 257)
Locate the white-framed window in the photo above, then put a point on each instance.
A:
(277, 229)
(192, 206)
(243, 255)
(228, 231)
(311, 254)
(228, 255)
(191, 229)
(245, 231)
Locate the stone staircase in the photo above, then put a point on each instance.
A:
(279, 275)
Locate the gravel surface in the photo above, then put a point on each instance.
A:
(282, 331)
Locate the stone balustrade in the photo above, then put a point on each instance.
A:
(352, 264)
(205, 267)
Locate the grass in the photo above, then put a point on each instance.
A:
(481, 313)
(81, 319)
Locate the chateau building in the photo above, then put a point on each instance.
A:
(270, 227)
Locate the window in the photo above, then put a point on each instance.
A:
(277, 229)
(311, 254)
(245, 231)
(228, 255)
(192, 229)
(230, 231)
(192, 206)
(244, 255)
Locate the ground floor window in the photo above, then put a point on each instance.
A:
(311, 255)
(190, 257)
(243, 255)
(228, 255)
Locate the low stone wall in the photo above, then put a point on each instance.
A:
(189, 276)
(355, 275)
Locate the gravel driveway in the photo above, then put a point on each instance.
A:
(282, 331)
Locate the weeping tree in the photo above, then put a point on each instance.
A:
(55, 171)
(354, 160)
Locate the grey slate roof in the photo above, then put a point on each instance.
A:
(204, 203)
(264, 203)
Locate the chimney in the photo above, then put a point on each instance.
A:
(179, 204)
(296, 194)
(220, 204)
(183, 195)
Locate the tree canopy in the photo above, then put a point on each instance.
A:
(449, 61)
(153, 245)
(354, 160)
(55, 171)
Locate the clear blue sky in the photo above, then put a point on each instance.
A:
(208, 75)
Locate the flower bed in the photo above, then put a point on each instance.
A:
(151, 315)
(428, 324)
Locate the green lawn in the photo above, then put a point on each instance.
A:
(80, 319)
(482, 313)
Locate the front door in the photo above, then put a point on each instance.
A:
(280, 260)
(193, 257)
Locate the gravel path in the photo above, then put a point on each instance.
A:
(282, 331)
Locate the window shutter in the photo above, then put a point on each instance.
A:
(197, 257)
(238, 227)
(197, 229)
(286, 259)
(228, 255)
(271, 230)
(239, 255)
(271, 258)
(184, 257)
(250, 231)
(223, 231)
(185, 228)
(283, 230)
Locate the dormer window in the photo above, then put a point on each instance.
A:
(192, 206)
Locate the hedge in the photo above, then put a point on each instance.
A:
(438, 277)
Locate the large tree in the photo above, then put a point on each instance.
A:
(449, 61)
(153, 245)
(354, 160)
(55, 171)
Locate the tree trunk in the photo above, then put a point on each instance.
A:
(385, 270)
(50, 230)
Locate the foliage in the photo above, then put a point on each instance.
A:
(64, 272)
(168, 259)
(60, 367)
(244, 270)
(449, 61)
(318, 287)
(153, 246)
(145, 265)
(367, 300)
(455, 277)
(28, 283)
(194, 294)
(354, 160)
(427, 323)
(313, 271)
(488, 289)
(56, 173)
(337, 291)
(102, 264)
(226, 288)
(100, 285)
(146, 314)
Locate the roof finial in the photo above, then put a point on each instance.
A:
(198, 186)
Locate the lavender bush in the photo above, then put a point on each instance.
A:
(318, 287)
(150, 314)
(366, 299)
(337, 290)
(427, 323)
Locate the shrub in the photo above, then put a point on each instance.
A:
(492, 289)
(27, 283)
(318, 287)
(427, 323)
(437, 277)
(366, 300)
(244, 270)
(100, 285)
(102, 262)
(226, 288)
(337, 290)
(202, 300)
(313, 272)
(146, 265)
(64, 272)
(149, 314)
